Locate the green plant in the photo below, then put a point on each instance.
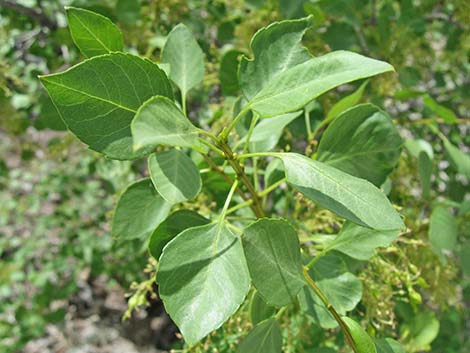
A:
(124, 107)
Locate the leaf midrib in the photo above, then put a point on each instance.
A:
(90, 95)
(91, 33)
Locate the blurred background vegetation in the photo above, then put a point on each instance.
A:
(64, 279)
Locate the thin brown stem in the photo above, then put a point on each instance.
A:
(239, 170)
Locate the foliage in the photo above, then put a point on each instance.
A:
(283, 215)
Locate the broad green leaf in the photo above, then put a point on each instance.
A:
(276, 49)
(459, 159)
(424, 154)
(415, 147)
(360, 242)
(388, 345)
(171, 227)
(274, 172)
(160, 122)
(272, 252)
(244, 123)
(174, 175)
(443, 230)
(342, 288)
(425, 168)
(93, 33)
(259, 310)
(185, 57)
(352, 198)
(440, 110)
(267, 133)
(362, 141)
(363, 341)
(347, 102)
(421, 331)
(139, 211)
(266, 337)
(228, 73)
(203, 278)
(98, 98)
(299, 85)
(48, 117)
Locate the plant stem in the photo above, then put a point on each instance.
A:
(255, 174)
(239, 170)
(229, 198)
(307, 124)
(316, 258)
(331, 309)
(240, 205)
(258, 154)
(271, 187)
(320, 126)
(208, 134)
(261, 194)
(254, 120)
(229, 180)
(280, 312)
(234, 122)
(212, 147)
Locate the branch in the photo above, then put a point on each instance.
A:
(331, 309)
(239, 170)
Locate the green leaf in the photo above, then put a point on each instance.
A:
(347, 102)
(352, 198)
(360, 242)
(342, 288)
(274, 172)
(443, 230)
(48, 117)
(228, 73)
(425, 168)
(174, 175)
(139, 211)
(362, 340)
(160, 122)
(259, 310)
(203, 278)
(272, 252)
(362, 141)
(424, 154)
(276, 49)
(267, 133)
(97, 99)
(415, 147)
(93, 33)
(458, 159)
(299, 85)
(421, 330)
(171, 227)
(440, 110)
(388, 345)
(185, 57)
(266, 337)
